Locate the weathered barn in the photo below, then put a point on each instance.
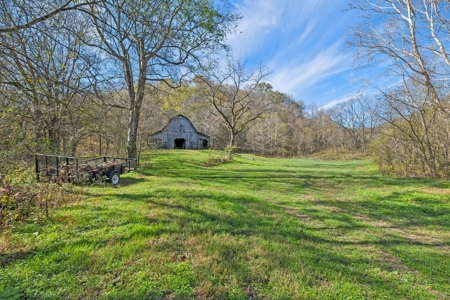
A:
(179, 133)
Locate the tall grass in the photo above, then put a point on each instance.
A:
(22, 198)
(259, 229)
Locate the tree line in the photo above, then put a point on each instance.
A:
(66, 65)
(97, 77)
(409, 38)
(252, 117)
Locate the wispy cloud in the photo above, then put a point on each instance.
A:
(302, 74)
(341, 100)
(292, 19)
(300, 41)
(260, 18)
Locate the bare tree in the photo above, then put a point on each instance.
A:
(358, 117)
(46, 73)
(238, 96)
(410, 36)
(155, 40)
(18, 15)
(413, 142)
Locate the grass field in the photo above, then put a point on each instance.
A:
(262, 229)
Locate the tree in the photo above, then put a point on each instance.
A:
(18, 14)
(46, 74)
(155, 40)
(410, 36)
(238, 96)
(414, 141)
(358, 117)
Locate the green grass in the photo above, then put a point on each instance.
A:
(265, 229)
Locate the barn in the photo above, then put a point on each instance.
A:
(179, 133)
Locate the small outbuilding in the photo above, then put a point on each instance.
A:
(179, 133)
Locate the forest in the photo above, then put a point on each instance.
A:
(97, 77)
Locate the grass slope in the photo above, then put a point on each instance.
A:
(262, 229)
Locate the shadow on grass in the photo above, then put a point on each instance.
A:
(303, 239)
(125, 182)
(267, 222)
(303, 178)
(403, 209)
(258, 217)
(11, 257)
(243, 217)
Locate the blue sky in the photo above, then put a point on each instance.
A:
(303, 43)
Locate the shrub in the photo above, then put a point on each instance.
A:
(217, 160)
(22, 198)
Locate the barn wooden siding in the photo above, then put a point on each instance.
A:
(179, 133)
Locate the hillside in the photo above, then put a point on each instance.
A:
(249, 229)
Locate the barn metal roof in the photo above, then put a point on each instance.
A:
(173, 118)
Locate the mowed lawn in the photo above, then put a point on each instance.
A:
(250, 229)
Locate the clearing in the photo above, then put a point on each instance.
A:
(262, 229)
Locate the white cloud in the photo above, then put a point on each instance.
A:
(260, 18)
(300, 41)
(264, 17)
(341, 100)
(304, 73)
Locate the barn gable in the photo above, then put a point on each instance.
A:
(179, 133)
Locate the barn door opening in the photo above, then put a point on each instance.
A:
(180, 143)
(205, 144)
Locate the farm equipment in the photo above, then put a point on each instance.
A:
(62, 169)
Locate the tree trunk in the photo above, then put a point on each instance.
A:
(412, 21)
(132, 133)
(136, 100)
(53, 135)
(230, 147)
(73, 149)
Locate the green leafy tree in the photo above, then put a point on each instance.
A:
(46, 74)
(151, 41)
(18, 15)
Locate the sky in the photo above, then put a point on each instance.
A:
(302, 42)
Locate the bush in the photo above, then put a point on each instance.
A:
(217, 160)
(400, 152)
(23, 198)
